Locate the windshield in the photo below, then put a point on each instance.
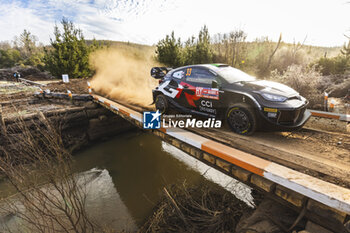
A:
(232, 75)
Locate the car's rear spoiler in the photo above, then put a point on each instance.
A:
(159, 72)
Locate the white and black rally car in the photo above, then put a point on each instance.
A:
(223, 92)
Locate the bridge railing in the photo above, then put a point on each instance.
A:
(329, 202)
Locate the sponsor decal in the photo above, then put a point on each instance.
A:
(270, 109)
(207, 106)
(207, 103)
(168, 91)
(189, 96)
(179, 74)
(151, 120)
(198, 92)
(208, 93)
(272, 114)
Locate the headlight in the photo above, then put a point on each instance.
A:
(274, 98)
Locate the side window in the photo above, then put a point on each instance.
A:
(198, 75)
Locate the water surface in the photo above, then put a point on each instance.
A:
(140, 165)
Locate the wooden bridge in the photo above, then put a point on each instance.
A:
(322, 202)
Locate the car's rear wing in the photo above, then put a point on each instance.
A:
(159, 72)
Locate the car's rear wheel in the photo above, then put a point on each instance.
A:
(162, 104)
(241, 118)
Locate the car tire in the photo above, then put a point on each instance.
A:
(162, 104)
(242, 119)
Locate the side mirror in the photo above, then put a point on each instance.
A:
(157, 73)
(214, 84)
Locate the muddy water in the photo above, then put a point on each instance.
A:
(124, 178)
(135, 167)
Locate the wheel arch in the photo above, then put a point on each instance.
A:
(241, 97)
(155, 94)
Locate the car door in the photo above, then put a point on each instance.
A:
(176, 82)
(204, 98)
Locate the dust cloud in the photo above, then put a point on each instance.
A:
(124, 74)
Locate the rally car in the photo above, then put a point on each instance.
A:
(221, 91)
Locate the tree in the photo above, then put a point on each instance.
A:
(346, 49)
(31, 53)
(231, 48)
(69, 53)
(5, 45)
(274, 51)
(25, 51)
(266, 49)
(9, 58)
(168, 51)
(26, 44)
(172, 52)
(237, 38)
(203, 52)
(189, 50)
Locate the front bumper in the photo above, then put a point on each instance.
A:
(285, 119)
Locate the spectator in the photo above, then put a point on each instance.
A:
(16, 76)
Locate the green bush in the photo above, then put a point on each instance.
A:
(336, 65)
(9, 58)
(24, 52)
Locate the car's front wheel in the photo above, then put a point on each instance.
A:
(241, 118)
(162, 104)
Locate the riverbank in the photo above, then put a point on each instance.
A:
(80, 122)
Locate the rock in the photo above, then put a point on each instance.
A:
(317, 107)
(90, 105)
(102, 118)
(314, 228)
(340, 90)
(347, 226)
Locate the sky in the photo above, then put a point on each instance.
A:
(321, 22)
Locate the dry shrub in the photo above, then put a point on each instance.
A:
(286, 57)
(196, 209)
(304, 80)
(37, 168)
(336, 85)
